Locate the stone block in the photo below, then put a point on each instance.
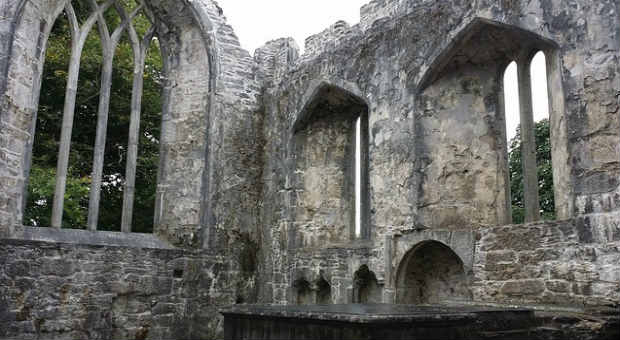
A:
(560, 299)
(164, 308)
(17, 269)
(558, 286)
(523, 288)
(57, 267)
(582, 288)
(503, 257)
(609, 290)
(561, 271)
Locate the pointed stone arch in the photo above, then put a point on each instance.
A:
(516, 40)
(366, 286)
(189, 51)
(431, 273)
(323, 291)
(339, 94)
(303, 292)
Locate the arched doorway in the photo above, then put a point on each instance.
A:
(431, 273)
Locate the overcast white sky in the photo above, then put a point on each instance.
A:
(258, 21)
(540, 100)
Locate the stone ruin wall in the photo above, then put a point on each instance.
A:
(75, 284)
(241, 200)
(64, 291)
(383, 63)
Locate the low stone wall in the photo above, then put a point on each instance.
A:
(573, 263)
(64, 291)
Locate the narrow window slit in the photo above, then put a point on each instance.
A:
(513, 138)
(542, 133)
(358, 177)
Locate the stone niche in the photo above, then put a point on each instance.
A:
(431, 273)
(324, 173)
(309, 294)
(366, 286)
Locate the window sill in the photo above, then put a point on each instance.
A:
(93, 238)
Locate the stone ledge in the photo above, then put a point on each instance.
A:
(90, 238)
(371, 313)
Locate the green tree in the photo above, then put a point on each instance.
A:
(544, 169)
(49, 120)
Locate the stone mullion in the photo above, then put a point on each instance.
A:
(140, 51)
(109, 44)
(79, 36)
(528, 143)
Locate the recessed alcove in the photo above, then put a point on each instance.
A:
(366, 286)
(323, 292)
(326, 156)
(431, 273)
(462, 127)
(303, 292)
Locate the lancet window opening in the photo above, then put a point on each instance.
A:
(526, 101)
(362, 188)
(358, 178)
(110, 38)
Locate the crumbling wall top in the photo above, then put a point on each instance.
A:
(275, 58)
(376, 10)
(330, 38)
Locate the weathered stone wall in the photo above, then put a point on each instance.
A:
(208, 193)
(570, 263)
(188, 98)
(25, 29)
(233, 190)
(229, 180)
(377, 9)
(325, 188)
(8, 15)
(336, 266)
(436, 122)
(463, 156)
(63, 291)
(272, 60)
(331, 38)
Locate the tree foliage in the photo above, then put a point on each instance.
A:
(544, 170)
(49, 121)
